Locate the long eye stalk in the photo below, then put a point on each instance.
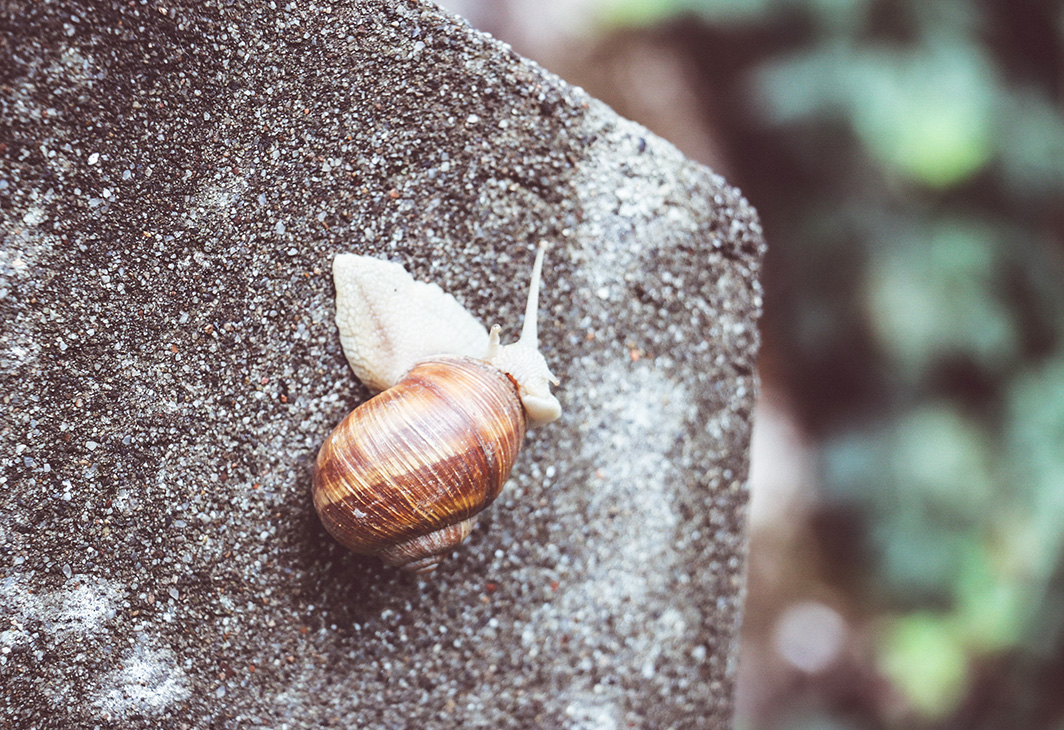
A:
(529, 337)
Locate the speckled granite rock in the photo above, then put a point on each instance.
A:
(174, 179)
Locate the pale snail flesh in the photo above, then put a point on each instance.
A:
(405, 474)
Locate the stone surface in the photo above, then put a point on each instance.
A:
(174, 179)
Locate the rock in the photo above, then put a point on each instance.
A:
(175, 180)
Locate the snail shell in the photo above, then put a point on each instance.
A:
(404, 475)
(460, 425)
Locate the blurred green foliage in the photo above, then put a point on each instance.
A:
(907, 158)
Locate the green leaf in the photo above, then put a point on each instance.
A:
(923, 657)
(926, 114)
(993, 603)
(1031, 134)
(641, 13)
(1034, 434)
(932, 294)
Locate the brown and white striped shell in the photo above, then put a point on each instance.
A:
(405, 474)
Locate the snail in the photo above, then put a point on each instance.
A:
(405, 474)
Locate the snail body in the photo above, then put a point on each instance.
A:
(404, 475)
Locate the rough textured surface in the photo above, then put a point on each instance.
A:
(175, 179)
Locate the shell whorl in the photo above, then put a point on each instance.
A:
(423, 553)
(403, 475)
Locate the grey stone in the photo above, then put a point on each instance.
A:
(174, 180)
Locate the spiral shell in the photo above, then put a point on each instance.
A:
(404, 475)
